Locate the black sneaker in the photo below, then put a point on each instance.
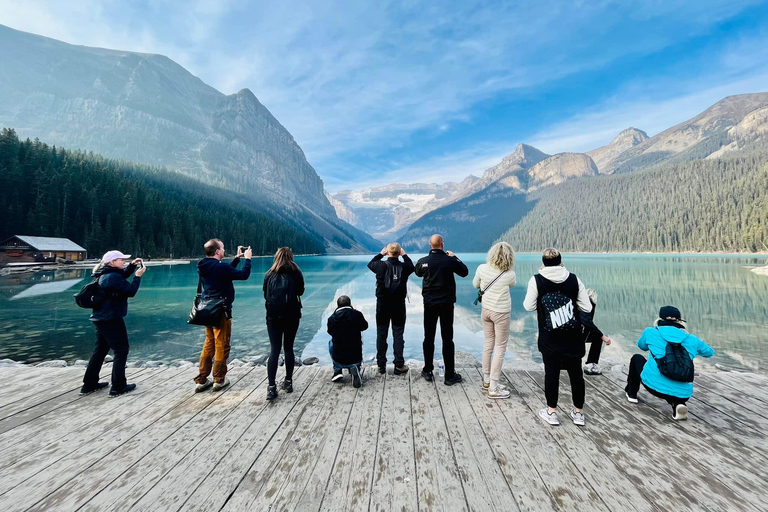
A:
(287, 386)
(271, 392)
(355, 372)
(337, 376)
(427, 376)
(127, 389)
(382, 370)
(453, 380)
(400, 370)
(86, 390)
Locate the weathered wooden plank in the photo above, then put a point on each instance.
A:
(440, 485)
(676, 461)
(521, 475)
(394, 476)
(241, 473)
(146, 458)
(484, 483)
(742, 388)
(30, 381)
(164, 415)
(40, 439)
(350, 480)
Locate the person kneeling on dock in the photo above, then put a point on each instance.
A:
(345, 326)
(668, 373)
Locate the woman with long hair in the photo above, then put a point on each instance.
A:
(283, 287)
(494, 279)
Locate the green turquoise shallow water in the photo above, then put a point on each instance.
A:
(724, 303)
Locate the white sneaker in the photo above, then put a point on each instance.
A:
(631, 399)
(549, 417)
(681, 413)
(592, 369)
(202, 387)
(499, 392)
(218, 386)
(578, 418)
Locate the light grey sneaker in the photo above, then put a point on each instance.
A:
(681, 412)
(199, 388)
(578, 418)
(549, 417)
(218, 386)
(592, 369)
(499, 392)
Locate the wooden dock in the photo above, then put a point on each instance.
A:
(398, 443)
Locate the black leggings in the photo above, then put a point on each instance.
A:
(282, 333)
(110, 334)
(636, 365)
(553, 363)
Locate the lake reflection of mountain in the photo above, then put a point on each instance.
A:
(724, 303)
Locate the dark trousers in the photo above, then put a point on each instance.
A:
(553, 363)
(282, 333)
(636, 365)
(444, 313)
(386, 314)
(594, 351)
(110, 334)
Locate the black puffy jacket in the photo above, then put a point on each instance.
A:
(345, 326)
(116, 287)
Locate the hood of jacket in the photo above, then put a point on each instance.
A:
(104, 270)
(556, 274)
(206, 265)
(672, 334)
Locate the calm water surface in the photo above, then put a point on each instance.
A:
(724, 303)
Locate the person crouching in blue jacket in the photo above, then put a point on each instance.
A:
(669, 327)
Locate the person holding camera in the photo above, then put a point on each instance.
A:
(346, 326)
(391, 289)
(112, 275)
(216, 278)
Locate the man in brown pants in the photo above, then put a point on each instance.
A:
(216, 277)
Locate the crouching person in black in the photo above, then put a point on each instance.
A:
(112, 274)
(345, 326)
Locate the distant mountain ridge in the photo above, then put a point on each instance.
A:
(148, 109)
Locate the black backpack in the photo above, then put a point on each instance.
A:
(281, 295)
(558, 310)
(90, 296)
(393, 278)
(676, 363)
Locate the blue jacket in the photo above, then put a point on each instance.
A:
(654, 339)
(217, 277)
(115, 285)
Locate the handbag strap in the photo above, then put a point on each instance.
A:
(494, 280)
(199, 286)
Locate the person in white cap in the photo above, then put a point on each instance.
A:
(112, 274)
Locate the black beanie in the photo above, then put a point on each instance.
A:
(552, 262)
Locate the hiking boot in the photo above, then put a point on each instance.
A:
(337, 376)
(382, 370)
(592, 369)
(271, 392)
(199, 388)
(427, 376)
(453, 380)
(399, 370)
(87, 390)
(287, 386)
(218, 386)
(499, 392)
(578, 418)
(127, 389)
(681, 412)
(356, 380)
(631, 399)
(549, 417)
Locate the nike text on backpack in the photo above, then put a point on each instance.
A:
(207, 311)
(480, 293)
(393, 279)
(90, 296)
(558, 308)
(676, 363)
(281, 295)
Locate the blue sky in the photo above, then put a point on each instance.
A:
(377, 92)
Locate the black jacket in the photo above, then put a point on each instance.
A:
(345, 326)
(298, 286)
(114, 283)
(217, 277)
(589, 330)
(379, 267)
(437, 269)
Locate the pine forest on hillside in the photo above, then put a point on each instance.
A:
(703, 205)
(104, 204)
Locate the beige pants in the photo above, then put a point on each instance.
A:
(496, 327)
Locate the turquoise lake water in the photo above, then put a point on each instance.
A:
(724, 303)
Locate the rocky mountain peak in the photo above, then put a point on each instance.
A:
(524, 155)
(605, 156)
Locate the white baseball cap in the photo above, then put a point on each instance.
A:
(114, 255)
